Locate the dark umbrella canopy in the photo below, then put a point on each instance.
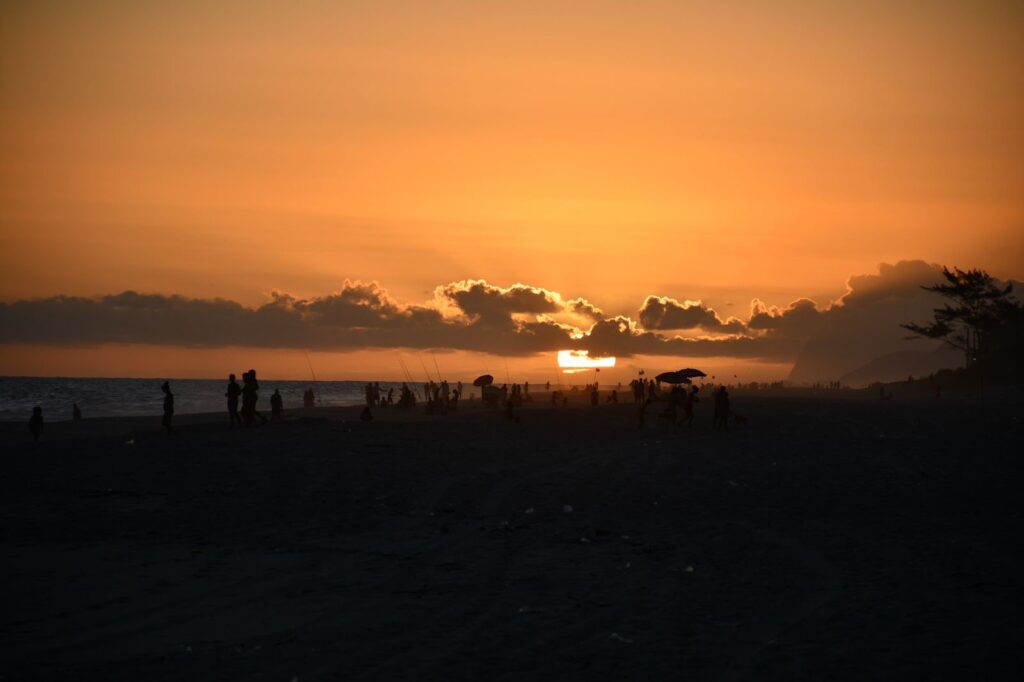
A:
(690, 373)
(672, 378)
(483, 380)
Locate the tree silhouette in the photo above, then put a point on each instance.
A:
(983, 319)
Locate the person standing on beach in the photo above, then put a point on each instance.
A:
(35, 423)
(234, 391)
(168, 407)
(688, 403)
(641, 409)
(716, 414)
(721, 420)
(248, 395)
(675, 401)
(276, 406)
(76, 413)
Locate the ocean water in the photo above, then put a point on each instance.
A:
(130, 397)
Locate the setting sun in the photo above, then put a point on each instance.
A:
(580, 359)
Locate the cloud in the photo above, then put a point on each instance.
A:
(480, 301)
(861, 325)
(825, 341)
(900, 281)
(620, 336)
(799, 318)
(662, 312)
(584, 308)
(357, 305)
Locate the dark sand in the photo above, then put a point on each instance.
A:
(828, 539)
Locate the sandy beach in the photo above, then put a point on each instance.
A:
(825, 539)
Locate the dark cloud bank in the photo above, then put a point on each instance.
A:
(824, 340)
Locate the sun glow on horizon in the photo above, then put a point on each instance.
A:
(580, 359)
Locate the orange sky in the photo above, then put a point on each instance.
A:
(714, 151)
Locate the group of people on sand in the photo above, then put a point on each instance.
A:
(248, 394)
(595, 395)
(242, 401)
(439, 398)
(682, 400)
(643, 389)
(442, 398)
(35, 422)
(682, 404)
(519, 393)
(376, 397)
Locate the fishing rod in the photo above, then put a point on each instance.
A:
(424, 366)
(316, 384)
(438, 369)
(401, 364)
(408, 377)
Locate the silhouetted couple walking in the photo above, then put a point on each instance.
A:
(249, 394)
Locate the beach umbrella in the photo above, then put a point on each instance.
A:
(483, 380)
(690, 373)
(672, 378)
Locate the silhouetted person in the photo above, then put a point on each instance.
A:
(35, 423)
(250, 394)
(366, 415)
(168, 407)
(638, 390)
(594, 399)
(510, 411)
(641, 409)
(688, 404)
(276, 405)
(76, 413)
(233, 394)
(675, 401)
(721, 410)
